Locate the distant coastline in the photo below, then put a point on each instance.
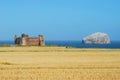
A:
(77, 44)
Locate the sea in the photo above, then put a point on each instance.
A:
(76, 44)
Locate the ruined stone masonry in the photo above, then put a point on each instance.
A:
(26, 40)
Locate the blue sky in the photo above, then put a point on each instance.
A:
(59, 19)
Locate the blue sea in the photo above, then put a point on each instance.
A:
(77, 44)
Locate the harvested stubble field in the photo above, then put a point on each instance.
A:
(59, 63)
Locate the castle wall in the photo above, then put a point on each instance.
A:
(32, 41)
(41, 40)
(17, 40)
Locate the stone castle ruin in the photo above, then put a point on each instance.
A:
(26, 40)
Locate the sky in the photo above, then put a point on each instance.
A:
(59, 19)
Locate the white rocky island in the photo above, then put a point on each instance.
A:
(97, 38)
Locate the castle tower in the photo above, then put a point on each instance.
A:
(15, 39)
(24, 39)
(23, 42)
(25, 36)
(41, 40)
